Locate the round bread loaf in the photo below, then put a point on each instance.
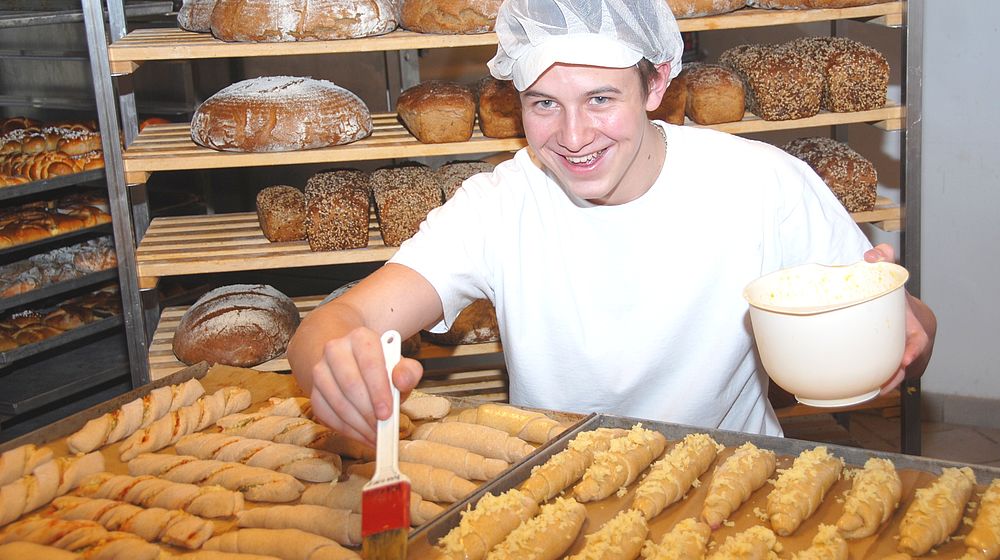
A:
(702, 8)
(239, 325)
(280, 113)
(449, 16)
(438, 111)
(810, 4)
(196, 15)
(272, 21)
(476, 324)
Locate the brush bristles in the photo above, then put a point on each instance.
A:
(387, 545)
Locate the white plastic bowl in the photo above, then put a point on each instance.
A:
(830, 335)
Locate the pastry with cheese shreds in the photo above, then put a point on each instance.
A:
(734, 480)
(195, 417)
(671, 477)
(484, 440)
(984, 538)
(546, 536)
(526, 424)
(134, 415)
(487, 524)
(688, 540)
(149, 491)
(936, 511)
(756, 543)
(872, 499)
(621, 464)
(828, 544)
(800, 489)
(620, 538)
(22, 460)
(566, 467)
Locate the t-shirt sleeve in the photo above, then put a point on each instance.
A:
(451, 248)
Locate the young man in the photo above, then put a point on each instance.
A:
(615, 249)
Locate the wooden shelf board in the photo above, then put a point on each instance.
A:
(799, 409)
(169, 147)
(162, 361)
(144, 45)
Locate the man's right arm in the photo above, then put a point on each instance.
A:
(336, 355)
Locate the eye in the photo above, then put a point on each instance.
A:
(600, 100)
(545, 104)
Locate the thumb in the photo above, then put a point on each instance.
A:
(407, 374)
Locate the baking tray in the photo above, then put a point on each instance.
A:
(77, 333)
(916, 472)
(34, 187)
(57, 288)
(32, 246)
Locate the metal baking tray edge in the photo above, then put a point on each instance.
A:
(76, 421)
(519, 472)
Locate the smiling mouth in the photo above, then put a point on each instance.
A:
(587, 159)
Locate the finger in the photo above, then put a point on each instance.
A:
(345, 392)
(893, 382)
(370, 359)
(322, 410)
(406, 375)
(883, 252)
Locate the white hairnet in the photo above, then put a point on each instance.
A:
(535, 34)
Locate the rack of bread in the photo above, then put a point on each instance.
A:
(34, 151)
(232, 460)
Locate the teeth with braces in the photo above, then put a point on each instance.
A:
(585, 159)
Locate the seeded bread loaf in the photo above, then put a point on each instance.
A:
(272, 21)
(280, 113)
(449, 16)
(438, 111)
(714, 94)
(671, 108)
(780, 82)
(337, 210)
(403, 198)
(499, 109)
(238, 325)
(810, 4)
(476, 324)
(855, 76)
(850, 176)
(451, 175)
(281, 211)
(701, 8)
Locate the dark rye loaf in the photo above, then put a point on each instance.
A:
(238, 325)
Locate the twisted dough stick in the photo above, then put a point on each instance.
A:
(487, 524)
(688, 540)
(296, 431)
(303, 463)
(259, 485)
(527, 425)
(172, 527)
(936, 511)
(122, 422)
(437, 485)
(871, 500)
(826, 545)
(22, 549)
(149, 491)
(462, 462)
(299, 407)
(620, 538)
(341, 525)
(484, 440)
(546, 536)
(672, 476)
(185, 420)
(347, 495)
(49, 480)
(984, 537)
(799, 490)
(753, 544)
(22, 460)
(87, 537)
(734, 480)
(290, 544)
(567, 466)
(620, 465)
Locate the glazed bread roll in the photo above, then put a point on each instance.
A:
(621, 464)
(936, 511)
(499, 109)
(239, 325)
(714, 94)
(281, 212)
(872, 499)
(800, 489)
(734, 480)
(671, 477)
(270, 21)
(688, 539)
(701, 8)
(449, 16)
(280, 113)
(438, 111)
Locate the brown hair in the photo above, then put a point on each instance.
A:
(646, 72)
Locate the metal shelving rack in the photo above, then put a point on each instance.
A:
(169, 147)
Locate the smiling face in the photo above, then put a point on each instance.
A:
(588, 126)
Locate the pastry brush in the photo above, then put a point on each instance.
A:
(385, 499)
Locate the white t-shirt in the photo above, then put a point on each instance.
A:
(635, 309)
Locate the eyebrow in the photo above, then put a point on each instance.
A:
(591, 93)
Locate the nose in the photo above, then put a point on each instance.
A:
(577, 131)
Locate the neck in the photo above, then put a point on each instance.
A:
(644, 169)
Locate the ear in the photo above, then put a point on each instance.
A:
(658, 86)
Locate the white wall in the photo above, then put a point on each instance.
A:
(961, 195)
